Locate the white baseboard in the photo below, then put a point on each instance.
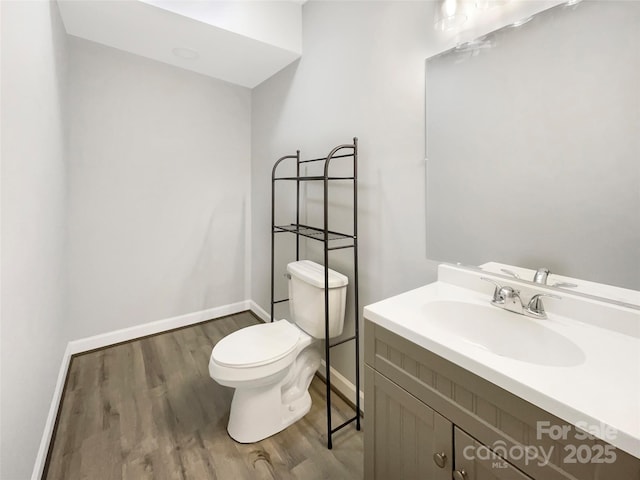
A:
(111, 338)
(41, 458)
(340, 383)
(260, 312)
(126, 334)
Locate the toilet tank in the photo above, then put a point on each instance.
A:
(306, 298)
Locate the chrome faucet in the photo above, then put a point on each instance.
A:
(508, 298)
(541, 275)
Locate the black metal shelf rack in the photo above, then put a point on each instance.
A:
(332, 241)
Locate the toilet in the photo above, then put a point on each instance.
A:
(271, 365)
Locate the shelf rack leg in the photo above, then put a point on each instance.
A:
(356, 316)
(273, 224)
(327, 347)
(297, 205)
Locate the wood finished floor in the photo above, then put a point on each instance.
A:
(149, 410)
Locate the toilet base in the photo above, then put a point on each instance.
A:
(250, 422)
(259, 412)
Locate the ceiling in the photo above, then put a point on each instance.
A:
(242, 42)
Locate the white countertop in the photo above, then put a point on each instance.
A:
(601, 390)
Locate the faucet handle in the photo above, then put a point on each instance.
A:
(538, 295)
(564, 285)
(497, 297)
(535, 308)
(510, 272)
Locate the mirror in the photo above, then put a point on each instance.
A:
(533, 145)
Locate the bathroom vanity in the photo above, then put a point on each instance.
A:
(458, 388)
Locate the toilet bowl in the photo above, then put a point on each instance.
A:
(271, 365)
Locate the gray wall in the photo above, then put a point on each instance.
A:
(158, 190)
(362, 74)
(33, 225)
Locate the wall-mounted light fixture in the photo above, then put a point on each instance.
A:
(450, 16)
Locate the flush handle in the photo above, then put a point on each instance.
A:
(440, 459)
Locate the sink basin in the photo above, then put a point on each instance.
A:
(493, 329)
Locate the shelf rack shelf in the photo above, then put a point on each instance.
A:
(332, 240)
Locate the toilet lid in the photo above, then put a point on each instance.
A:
(256, 345)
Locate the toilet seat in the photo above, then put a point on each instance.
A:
(256, 345)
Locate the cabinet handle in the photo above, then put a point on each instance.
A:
(440, 459)
(459, 475)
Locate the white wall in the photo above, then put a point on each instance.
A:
(275, 22)
(361, 74)
(159, 189)
(33, 225)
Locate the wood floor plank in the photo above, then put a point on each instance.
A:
(147, 409)
(101, 456)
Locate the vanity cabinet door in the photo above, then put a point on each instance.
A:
(474, 461)
(404, 438)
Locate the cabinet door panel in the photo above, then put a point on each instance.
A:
(477, 462)
(402, 434)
